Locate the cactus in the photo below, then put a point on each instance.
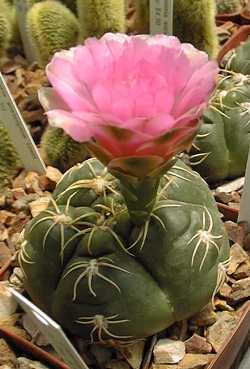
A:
(239, 60)
(220, 150)
(194, 22)
(60, 150)
(228, 6)
(9, 162)
(6, 27)
(102, 276)
(98, 17)
(52, 27)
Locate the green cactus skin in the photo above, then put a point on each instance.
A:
(100, 16)
(60, 150)
(220, 150)
(239, 61)
(228, 6)
(102, 277)
(52, 27)
(9, 162)
(194, 22)
(6, 30)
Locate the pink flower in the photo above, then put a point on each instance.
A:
(133, 96)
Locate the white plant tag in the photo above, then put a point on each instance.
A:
(18, 131)
(52, 331)
(22, 7)
(244, 215)
(161, 16)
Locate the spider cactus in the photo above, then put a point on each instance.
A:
(60, 150)
(107, 278)
(52, 27)
(194, 22)
(97, 17)
(220, 150)
(9, 162)
(133, 241)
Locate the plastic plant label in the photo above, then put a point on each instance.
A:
(52, 331)
(22, 7)
(161, 16)
(244, 215)
(18, 131)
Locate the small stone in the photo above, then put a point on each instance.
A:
(238, 256)
(38, 338)
(31, 183)
(24, 363)
(18, 193)
(240, 291)
(39, 205)
(133, 353)
(218, 332)
(232, 186)
(168, 351)
(17, 278)
(197, 345)
(222, 305)
(190, 361)
(236, 232)
(205, 317)
(243, 271)
(8, 304)
(7, 356)
(6, 216)
(53, 174)
(225, 291)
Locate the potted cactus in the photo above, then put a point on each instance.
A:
(132, 241)
(229, 10)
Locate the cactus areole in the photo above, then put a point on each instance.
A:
(131, 242)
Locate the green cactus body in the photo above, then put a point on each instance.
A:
(220, 150)
(60, 150)
(100, 16)
(102, 277)
(52, 27)
(6, 31)
(194, 22)
(239, 61)
(9, 162)
(228, 6)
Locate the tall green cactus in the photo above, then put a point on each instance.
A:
(60, 150)
(102, 276)
(9, 162)
(52, 27)
(6, 25)
(97, 17)
(220, 150)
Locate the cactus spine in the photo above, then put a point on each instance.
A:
(52, 27)
(60, 150)
(98, 17)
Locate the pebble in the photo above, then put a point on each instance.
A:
(168, 351)
(197, 345)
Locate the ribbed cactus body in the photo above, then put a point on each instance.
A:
(220, 150)
(240, 59)
(97, 17)
(9, 162)
(6, 26)
(52, 27)
(60, 150)
(103, 277)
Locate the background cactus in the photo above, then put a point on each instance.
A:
(52, 27)
(107, 278)
(194, 22)
(6, 25)
(239, 60)
(60, 150)
(228, 6)
(220, 150)
(97, 17)
(9, 161)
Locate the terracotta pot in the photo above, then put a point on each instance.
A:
(228, 212)
(245, 15)
(240, 36)
(233, 17)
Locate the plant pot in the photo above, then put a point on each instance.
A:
(240, 36)
(233, 17)
(232, 349)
